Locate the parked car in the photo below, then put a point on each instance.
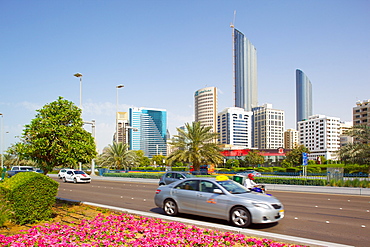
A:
(245, 173)
(76, 176)
(218, 198)
(170, 177)
(17, 169)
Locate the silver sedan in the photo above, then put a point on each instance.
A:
(218, 198)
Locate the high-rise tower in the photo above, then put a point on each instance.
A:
(303, 96)
(149, 131)
(206, 107)
(245, 71)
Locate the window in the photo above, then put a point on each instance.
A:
(188, 185)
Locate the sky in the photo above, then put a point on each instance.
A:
(162, 51)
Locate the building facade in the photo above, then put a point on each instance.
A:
(121, 128)
(291, 139)
(206, 107)
(149, 131)
(321, 135)
(268, 127)
(245, 71)
(303, 96)
(235, 127)
(361, 113)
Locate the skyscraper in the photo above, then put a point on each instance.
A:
(151, 131)
(245, 71)
(206, 107)
(303, 96)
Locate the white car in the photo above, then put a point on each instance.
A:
(62, 172)
(76, 176)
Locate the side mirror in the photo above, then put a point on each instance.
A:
(217, 191)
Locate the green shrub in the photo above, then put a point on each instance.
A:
(30, 195)
(279, 169)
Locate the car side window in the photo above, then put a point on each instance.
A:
(168, 175)
(178, 176)
(69, 172)
(206, 186)
(188, 185)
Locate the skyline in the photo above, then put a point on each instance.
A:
(163, 51)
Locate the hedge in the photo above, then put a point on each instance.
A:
(30, 196)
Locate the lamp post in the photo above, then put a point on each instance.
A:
(93, 135)
(78, 75)
(2, 140)
(117, 87)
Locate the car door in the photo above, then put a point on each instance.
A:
(169, 178)
(69, 175)
(211, 204)
(185, 195)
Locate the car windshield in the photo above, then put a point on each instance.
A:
(188, 175)
(233, 187)
(26, 169)
(79, 172)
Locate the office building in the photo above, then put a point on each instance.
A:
(245, 71)
(149, 132)
(268, 127)
(235, 127)
(361, 113)
(345, 139)
(291, 139)
(121, 128)
(303, 96)
(321, 135)
(206, 107)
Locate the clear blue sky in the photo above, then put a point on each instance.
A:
(165, 50)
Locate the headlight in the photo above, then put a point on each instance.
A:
(261, 205)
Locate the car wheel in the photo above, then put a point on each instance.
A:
(64, 180)
(75, 180)
(170, 207)
(240, 217)
(161, 184)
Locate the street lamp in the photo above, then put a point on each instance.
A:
(117, 87)
(78, 75)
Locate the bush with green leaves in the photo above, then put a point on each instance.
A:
(30, 197)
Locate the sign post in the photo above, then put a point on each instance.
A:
(304, 163)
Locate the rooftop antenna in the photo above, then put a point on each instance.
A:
(233, 23)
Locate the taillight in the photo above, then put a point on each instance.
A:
(157, 191)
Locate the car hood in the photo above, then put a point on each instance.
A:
(253, 196)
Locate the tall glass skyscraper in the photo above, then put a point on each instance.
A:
(150, 131)
(303, 96)
(245, 72)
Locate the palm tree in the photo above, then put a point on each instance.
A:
(118, 156)
(196, 145)
(359, 151)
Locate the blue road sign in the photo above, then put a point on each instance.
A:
(304, 159)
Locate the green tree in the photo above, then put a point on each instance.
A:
(230, 163)
(294, 157)
(141, 158)
(196, 144)
(254, 158)
(357, 152)
(118, 156)
(56, 137)
(159, 160)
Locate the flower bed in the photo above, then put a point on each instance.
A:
(129, 230)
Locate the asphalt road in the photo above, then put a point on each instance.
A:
(343, 219)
